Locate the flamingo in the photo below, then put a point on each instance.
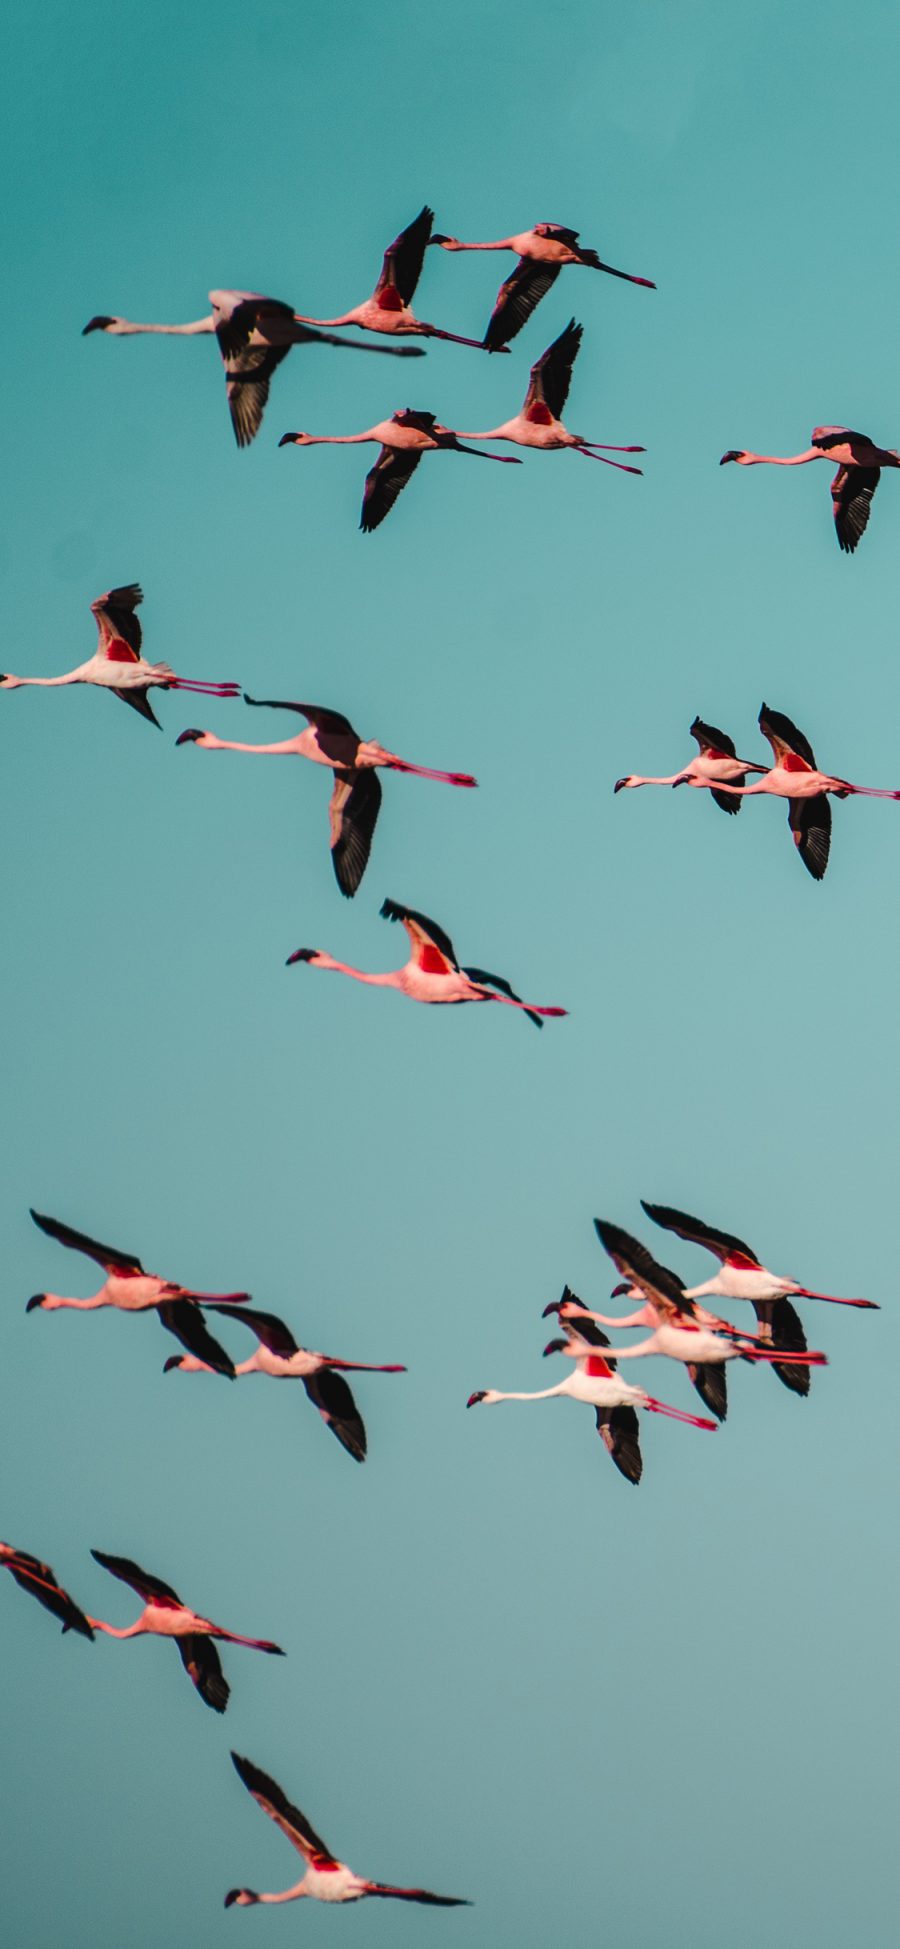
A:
(356, 798)
(278, 1354)
(717, 760)
(539, 423)
(326, 1879)
(794, 776)
(389, 308)
(432, 973)
(254, 335)
(132, 1290)
(859, 472)
(403, 439)
(38, 1578)
(165, 1616)
(542, 253)
(117, 663)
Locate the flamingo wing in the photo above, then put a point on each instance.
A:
(203, 1665)
(152, 1589)
(248, 374)
(106, 1256)
(713, 743)
(551, 374)
(38, 1578)
(270, 1331)
(237, 315)
(851, 498)
(294, 1825)
(393, 468)
(403, 259)
(336, 737)
(711, 1386)
(516, 300)
(353, 812)
(785, 739)
(579, 1327)
(620, 1435)
(432, 949)
(723, 1244)
(635, 1263)
(184, 1318)
(810, 823)
(780, 1327)
(330, 1394)
(119, 629)
(496, 981)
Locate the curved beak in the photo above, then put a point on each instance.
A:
(174, 1360)
(36, 1300)
(302, 954)
(287, 439)
(620, 784)
(190, 737)
(553, 1307)
(474, 1399)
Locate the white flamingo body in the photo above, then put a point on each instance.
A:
(859, 464)
(741, 1274)
(716, 763)
(432, 973)
(539, 423)
(118, 664)
(389, 309)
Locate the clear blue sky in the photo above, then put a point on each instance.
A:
(658, 1715)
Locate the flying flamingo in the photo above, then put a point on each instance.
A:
(254, 335)
(278, 1354)
(403, 440)
(542, 253)
(325, 1880)
(539, 423)
(794, 776)
(132, 1290)
(717, 760)
(356, 798)
(38, 1578)
(389, 308)
(117, 663)
(165, 1616)
(432, 973)
(859, 472)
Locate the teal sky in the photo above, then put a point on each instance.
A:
(660, 1716)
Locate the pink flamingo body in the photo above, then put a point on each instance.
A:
(432, 973)
(165, 1616)
(326, 1879)
(117, 663)
(254, 334)
(795, 776)
(356, 799)
(542, 252)
(389, 309)
(716, 763)
(859, 470)
(278, 1355)
(539, 423)
(403, 439)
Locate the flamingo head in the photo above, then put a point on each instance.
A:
(622, 784)
(295, 440)
(484, 1394)
(191, 737)
(619, 1291)
(244, 1897)
(174, 1360)
(446, 243)
(37, 1300)
(554, 1307)
(555, 1346)
(99, 324)
(10, 683)
(303, 954)
(734, 453)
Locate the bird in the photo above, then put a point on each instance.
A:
(117, 663)
(403, 439)
(432, 973)
(254, 335)
(542, 253)
(356, 799)
(743, 1276)
(795, 776)
(165, 1616)
(717, 760)
(39, 1579)
(278, 1354)
(859, 472)
(390, 307)
(539, 423)
(132, 1290)
(325, 1879)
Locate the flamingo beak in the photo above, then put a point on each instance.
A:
(554, 1307)
(732, 454)
(288, 440)
(36, 1300)
(174, 1360)
(302, 954)
(474, 1399)
(190, 737)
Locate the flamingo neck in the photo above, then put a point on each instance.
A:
(544, 1394)
(44, 683)
(783, 460)
(113, 1631)
(126, 327)
(389, 980)
(52, 1301)
(286, 749)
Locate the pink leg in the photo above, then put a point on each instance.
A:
(221, 1299)
(204, 689)
(610, 463)
(678, 1414)
(788, 1359)
(363, 1367)
(607, 447)
(255, 1644)
(834, 1299)
(423, 771)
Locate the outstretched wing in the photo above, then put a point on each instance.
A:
(353, 812)
(106, 1256)
(203, 1665)
(551, 375)
(851, 498)
(780, 1327)
(724, 1244)
(516, 300)
(636, 1264)
(248, 374)
(619, 1433)
(152, 1589)
(140, 702)
(496, 981)
(711, 1386)
(810, 823)
(329, 725)
(432, 949)
(403, 259)
(785, 739)
(237, 314)
(713, 743)
(184, 1318)
(393, 468)
(294, 1825)
(37, 1577)
(119, 628)
(329, 1393)
(269, 1330)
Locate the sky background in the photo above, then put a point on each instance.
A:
(663, 1713)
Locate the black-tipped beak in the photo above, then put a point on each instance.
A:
(553, 1307)
(622, 1288)
(554, 1346)
(190, 737)
(287, 439)
(620, 784)
(174, 1360)
(438, 237)
(97, 324)
(36, 1300)
(302, 954)
(732, 454)
(474, 1399)
(678, 781)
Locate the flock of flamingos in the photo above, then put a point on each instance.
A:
(255, 334)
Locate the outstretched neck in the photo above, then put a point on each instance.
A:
(113, 1631)
(389, 980)
(126, 327)
(783, 460)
